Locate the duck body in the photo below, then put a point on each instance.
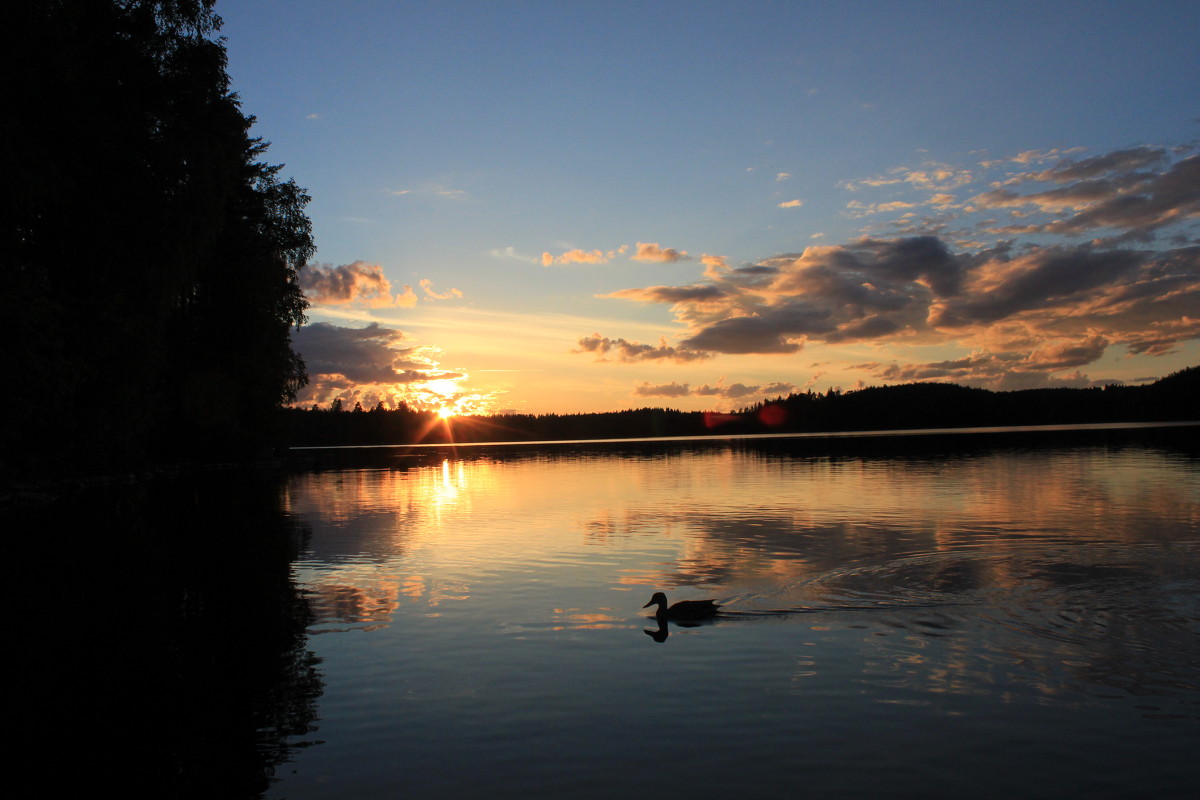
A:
(684, 609)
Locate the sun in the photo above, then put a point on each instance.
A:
(445, 412)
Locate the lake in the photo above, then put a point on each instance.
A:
(994, 622)
(937, 616)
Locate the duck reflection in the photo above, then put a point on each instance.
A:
(661, 633)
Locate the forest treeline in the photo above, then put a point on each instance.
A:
(908, 406)
(151, 254)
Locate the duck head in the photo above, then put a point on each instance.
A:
(659, 599)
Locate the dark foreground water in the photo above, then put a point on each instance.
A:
(993, 620)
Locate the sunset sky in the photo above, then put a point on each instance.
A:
(588, 206)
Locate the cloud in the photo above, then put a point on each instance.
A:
(714, 266)
(733, 391)
(872, 272)
(373, 354)
(510, 253)
(868, 289)
(646, 251)
(1033, 306)
(1061, 355)
(863, 209)
(628, 351)
(671, 294)
(931, 177)
(1172, 196)
(1161, 337)
(938, 177)
(1118, 161)
(791, 204)
(430, 294)
(650, 251)
(1115, 191)
(1071, 198)
(998, 371)
(576, 257)
(1036, 156)
(370, 365)
(751, 334)
(363, 284)
(662, 390)
(782, 176)
(357, 282)
(1043, 279)
(740, 391)
(431, 190)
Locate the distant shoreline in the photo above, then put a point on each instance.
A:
(1183, 435)
(856, 434)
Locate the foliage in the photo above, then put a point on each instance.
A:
(151, 257)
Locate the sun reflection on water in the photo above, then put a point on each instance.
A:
(726, 522)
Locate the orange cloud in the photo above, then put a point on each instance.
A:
(650, 251)
(880, 208)
(714, 266)
(427, 285)
(576, 256)
(671, 294)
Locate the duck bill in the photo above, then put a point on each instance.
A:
(648, 604)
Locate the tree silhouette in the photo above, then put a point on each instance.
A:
(900, 407)
(150, 256)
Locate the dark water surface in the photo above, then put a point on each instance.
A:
(961, 621)
(992, 623)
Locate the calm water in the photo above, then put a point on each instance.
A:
(998, 622)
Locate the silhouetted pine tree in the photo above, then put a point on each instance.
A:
(150, 257)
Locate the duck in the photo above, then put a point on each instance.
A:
(683, 610)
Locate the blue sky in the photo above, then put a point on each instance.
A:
(569, 206)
